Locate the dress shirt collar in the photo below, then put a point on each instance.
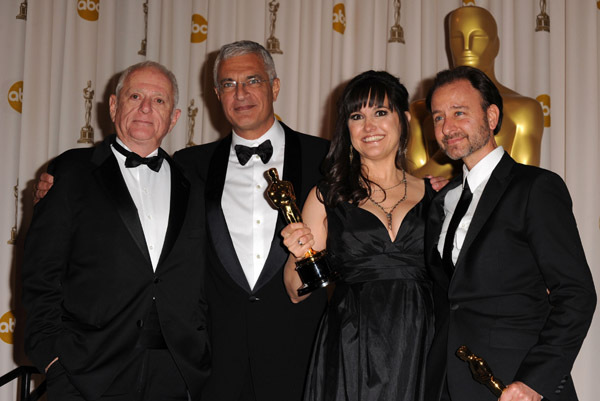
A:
(122, 157)
(275, 134)
(482, 170)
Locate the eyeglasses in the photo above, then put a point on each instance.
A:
(231, 85)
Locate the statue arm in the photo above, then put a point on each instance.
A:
(528, 119)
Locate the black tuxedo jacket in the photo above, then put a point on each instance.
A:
(257, 332)
(88, 282)
(521, 296)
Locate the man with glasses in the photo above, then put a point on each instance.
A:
(261, 342)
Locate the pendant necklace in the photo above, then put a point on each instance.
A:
(389, 214)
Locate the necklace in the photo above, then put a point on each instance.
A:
(389, 214)
(387, 189)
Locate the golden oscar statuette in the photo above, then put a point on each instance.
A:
(142, 51)
(481, 371)
(86, 134)
(396, 31)
(272, 41)
(314, 269)
(22, 11)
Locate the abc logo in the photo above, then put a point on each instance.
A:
(545, 103)
(339, 18)
(15, 96)
(7, 327)
(88, 9)
(199, 28)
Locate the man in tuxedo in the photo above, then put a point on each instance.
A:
(511, 281)
(114, 259)
(260, 341)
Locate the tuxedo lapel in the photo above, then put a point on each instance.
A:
(495, 187)
(180, 190)
(110, 178)
(435, 221)
(215, 219)
(292, 172)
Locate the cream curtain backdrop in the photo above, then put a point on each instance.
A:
(49, 57)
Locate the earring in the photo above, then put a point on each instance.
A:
(351, 153)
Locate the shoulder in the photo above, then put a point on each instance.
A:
(305, 139)
(72, 161)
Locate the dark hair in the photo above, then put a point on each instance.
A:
(486, 88)
(344, 180)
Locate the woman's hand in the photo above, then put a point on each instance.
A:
(298, 239)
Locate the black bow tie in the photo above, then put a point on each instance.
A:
(134, 160)
(264, 150)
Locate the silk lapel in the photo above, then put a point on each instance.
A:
(215, 219)
(180, 191)
(110, 178)
(495, 187)
(292, 171)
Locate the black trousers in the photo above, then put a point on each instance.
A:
(152, 376)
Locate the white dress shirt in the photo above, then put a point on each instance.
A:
(250, 218)
(151, 193)
(477, 177)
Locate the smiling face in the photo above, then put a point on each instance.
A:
(375, 132)
(462, 128)
(248, 109)
(143, 114)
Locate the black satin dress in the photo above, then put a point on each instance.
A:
(373, 340)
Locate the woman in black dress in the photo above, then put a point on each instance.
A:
(370, 215)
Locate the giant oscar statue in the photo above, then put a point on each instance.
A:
(473, 40)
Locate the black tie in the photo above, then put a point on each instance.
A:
(264, 150)
(459, 213)
(134, 160)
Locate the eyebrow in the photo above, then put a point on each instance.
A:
(247, 78)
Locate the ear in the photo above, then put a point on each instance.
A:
(112, 101)
(493, 114)
(217, 93)
(408, 117)
(275, 88)
(174, 117)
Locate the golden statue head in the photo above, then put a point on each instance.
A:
(473, 36)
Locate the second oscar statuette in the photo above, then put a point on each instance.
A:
(481, 371)
(314, 269)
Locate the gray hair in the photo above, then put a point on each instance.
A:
(239, 49)
(150, 64)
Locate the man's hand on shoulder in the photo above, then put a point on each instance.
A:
(519, 391)
(42, 187)
(437, 183)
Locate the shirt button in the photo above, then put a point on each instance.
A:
(149, 217)
(257, 256)
(257, 221)
(257, 186)
(151, 247)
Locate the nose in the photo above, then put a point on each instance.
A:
(240, 90)
(448, 126)
(369, 124)
(146, 105)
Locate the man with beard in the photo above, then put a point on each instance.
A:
(511, 281)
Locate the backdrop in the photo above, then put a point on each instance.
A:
(60, 58)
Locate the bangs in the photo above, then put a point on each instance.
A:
(371, 93)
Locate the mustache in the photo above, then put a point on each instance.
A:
(447, 138)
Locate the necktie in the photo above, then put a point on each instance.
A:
(264, 150)
(134, 160)
(459, 213)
